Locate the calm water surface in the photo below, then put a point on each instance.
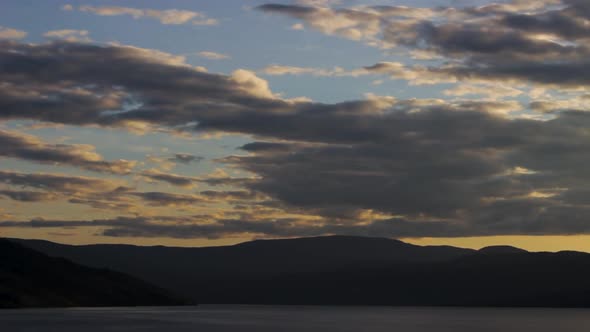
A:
(285, 319)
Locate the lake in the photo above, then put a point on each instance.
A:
(295, 318)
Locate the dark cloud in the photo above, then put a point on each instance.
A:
(415, 167)
(300, 11)
(566, 22)
(28, 147)
(206, 227)
(86, 84)
(173, 179)
(185, 158)
(108, 201)
(43, 223)
(94, 192)
(482, 41)
(226, 181)
(498, 42)
(28, 196)
(266, 146)
(214, 102)
(58, 182)
(231, 196)
(201, 227)
(155, 198)
(439, 165)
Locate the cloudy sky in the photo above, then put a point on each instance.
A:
(214, 122)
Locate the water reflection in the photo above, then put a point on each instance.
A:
(269, 318)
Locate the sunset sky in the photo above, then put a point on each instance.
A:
(198, 123)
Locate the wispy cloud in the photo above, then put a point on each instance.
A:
(173, 179)
(213, 55)
(69, 35)
(58, 183)
(165, 16)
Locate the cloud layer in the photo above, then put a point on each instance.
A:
(543, 43)
(18, 145)
(377, 166)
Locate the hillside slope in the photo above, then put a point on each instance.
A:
(32, 279)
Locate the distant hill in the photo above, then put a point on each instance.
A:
(32, 279)
(501, 250)
(341, 270)
(191, 271)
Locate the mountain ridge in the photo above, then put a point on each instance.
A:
(343, 270)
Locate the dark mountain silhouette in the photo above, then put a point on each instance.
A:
(343, 270)
(503, 280)
(501, 250)
(31, 279)
(191, 270)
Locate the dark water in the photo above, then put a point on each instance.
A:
(268, 318)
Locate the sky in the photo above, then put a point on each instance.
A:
(199, 123)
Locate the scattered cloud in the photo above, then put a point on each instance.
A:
(8, 33)
(69, 35)
(186, 158)
(213, 55)
(297, 26)
(491, 91)
(279, 70)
